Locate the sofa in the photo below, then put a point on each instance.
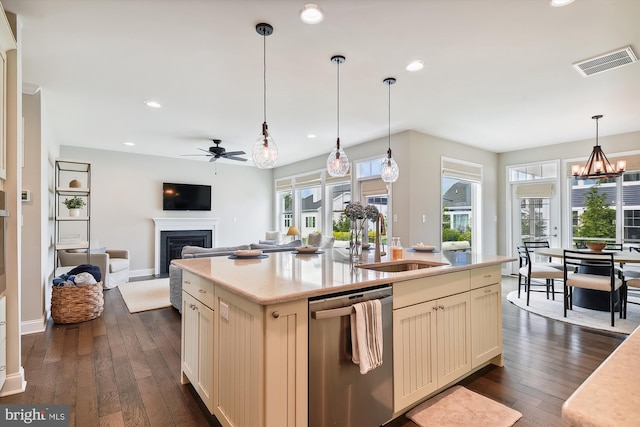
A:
(113, 263)
(175, 273)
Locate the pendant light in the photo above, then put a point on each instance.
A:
(265, 151)
(598, 166)
(338, 162)
(390, 169)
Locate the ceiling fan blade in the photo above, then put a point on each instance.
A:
(202, 149)
(236, 158)
(234, 153)
(195, 155)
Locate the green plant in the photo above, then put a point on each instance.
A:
(598, 220)
(74, 203)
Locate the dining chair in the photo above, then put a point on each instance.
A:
(630, 281)
(529, 270)
(532, 246)
(578, 273)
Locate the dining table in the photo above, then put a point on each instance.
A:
(590, 298)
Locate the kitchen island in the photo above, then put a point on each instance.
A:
(245, 326)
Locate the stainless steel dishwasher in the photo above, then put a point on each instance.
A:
(338, 394)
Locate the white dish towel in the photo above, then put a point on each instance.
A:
(366, 335)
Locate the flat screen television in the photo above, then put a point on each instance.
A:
(186, 197)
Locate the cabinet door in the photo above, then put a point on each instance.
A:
(189, 339)
(454, 337)
(205, 377)
(286, 356)
(239, 354)
(414, 353)
(486, 324)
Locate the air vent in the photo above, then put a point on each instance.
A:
(606, 62)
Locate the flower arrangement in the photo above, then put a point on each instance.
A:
(371, 212)
(354, 211)
(74, 203)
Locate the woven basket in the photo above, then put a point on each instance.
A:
(73, 304)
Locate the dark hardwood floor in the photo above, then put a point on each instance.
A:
(123, 369)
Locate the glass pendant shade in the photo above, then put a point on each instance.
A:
(390, 170)
(337, 162)
(265, 151)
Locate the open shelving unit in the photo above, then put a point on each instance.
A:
(72, 232)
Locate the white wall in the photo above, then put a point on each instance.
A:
(34, 271)
(126, 193)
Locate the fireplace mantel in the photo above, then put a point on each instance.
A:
(174, 224)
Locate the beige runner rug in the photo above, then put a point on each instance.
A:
(459, 406)
(145, 295)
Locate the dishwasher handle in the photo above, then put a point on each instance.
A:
(342, 311)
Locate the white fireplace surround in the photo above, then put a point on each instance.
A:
(178, 224)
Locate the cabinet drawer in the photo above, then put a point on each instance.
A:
(199, 288)
(415, 291)
(484, 276)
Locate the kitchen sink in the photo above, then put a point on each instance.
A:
(401, 265)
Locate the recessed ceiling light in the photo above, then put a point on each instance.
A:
(129, 143)
(560, 3)
(311, 136)
(311, 14)
(153, 104)
(416, 65)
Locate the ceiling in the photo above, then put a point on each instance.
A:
(498, 73)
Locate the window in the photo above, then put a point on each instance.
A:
(460, 200)
(300, 201)
(618, 220)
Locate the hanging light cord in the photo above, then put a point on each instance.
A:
(338, 102)
(389, 121)
(596, 117)
(264, 76)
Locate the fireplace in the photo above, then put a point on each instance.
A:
(180, 235)
(172, 242)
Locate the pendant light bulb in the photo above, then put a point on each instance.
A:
(390, 169)
(338, 162)
(265, 150)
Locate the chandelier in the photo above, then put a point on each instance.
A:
(598, 166)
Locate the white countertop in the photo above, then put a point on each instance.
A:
(609, 397)
(286, 276)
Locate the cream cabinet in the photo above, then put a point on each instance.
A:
(486, 315)
(261, 362)
(432, 337)
(197, 359)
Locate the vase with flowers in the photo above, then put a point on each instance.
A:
(358, 216)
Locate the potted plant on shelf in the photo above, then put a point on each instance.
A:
(74, 205)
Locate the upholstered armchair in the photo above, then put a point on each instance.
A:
(113, 264)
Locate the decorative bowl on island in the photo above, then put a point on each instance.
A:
(596, 246)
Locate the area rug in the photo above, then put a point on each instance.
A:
(145, 295)
(459, 406)
(593, 319)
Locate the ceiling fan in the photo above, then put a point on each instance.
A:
(216, 152)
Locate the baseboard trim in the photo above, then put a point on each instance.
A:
(34, 326)
(14, 384)
(144, 272)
